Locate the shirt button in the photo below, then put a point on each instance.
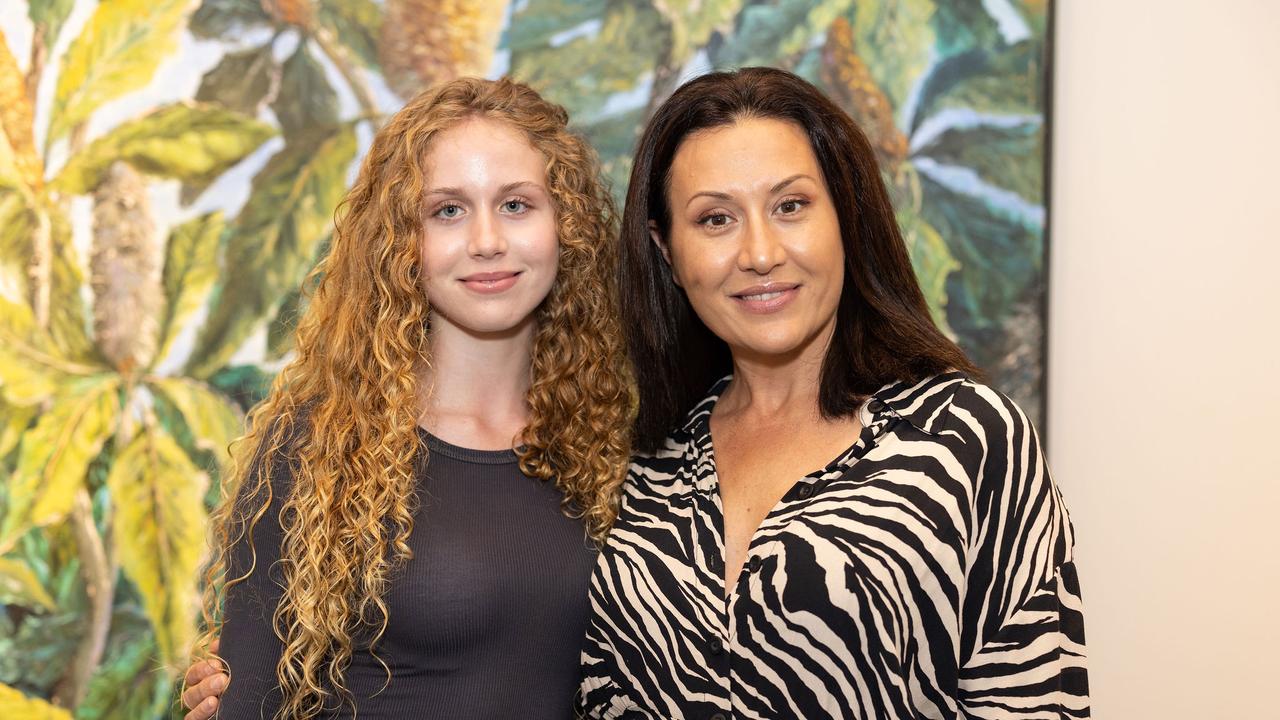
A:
(805, 491)
(754, 564)
(719, 716)
(875, 405)
(717, 646)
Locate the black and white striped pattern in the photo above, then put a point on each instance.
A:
(925, 573)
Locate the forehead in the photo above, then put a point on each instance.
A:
(742, 155)
(481, 151)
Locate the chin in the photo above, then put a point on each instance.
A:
(780, 345)
(498, 325)
(490, 321)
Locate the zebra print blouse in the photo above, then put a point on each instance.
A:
(925, 573)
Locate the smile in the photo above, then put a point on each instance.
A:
(489, 283)
(765, 299)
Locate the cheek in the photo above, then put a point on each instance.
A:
(822, 251)
(435, 251)
(699, 266)
(538, 242)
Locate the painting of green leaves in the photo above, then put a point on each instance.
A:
(168, 174)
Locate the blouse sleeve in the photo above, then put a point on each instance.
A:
(1022, 635)
(249, 644)
(600, 696)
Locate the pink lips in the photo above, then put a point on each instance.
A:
(488, 283)
(766, 298)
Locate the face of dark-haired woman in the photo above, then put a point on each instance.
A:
(754, 239)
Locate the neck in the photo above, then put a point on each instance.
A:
(772, 386)
(476, 378)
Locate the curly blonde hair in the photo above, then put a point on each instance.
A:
(345, 409)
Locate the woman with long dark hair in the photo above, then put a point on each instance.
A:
(829, 515)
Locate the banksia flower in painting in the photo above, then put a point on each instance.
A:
(849, 81)
(16, 119)
(291, 12)
(126, 266)
(429, 41)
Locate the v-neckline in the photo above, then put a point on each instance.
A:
(729, 590)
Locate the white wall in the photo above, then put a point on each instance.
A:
(1164, 395)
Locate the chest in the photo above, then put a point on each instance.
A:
(495, 563)
(755, 465)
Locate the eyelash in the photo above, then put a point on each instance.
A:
(802, 203)
(445, 206)
(437, 212)
(523, 201)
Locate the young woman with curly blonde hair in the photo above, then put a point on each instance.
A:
(404, 531)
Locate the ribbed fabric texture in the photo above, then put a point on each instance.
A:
(486, 620)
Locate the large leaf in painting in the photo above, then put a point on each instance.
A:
(117, 52)
(241, 80)
(189, 142)
(160, 517)
(190, 272)
(213, 420)
(305, 100)
(13, 704)
(47, 17)
(275, 238)
(895, 39)
(581, 67)
(55, 454)
(1002, 80)
(997, 238)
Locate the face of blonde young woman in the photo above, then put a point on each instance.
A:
(754, 239)
(489, 242)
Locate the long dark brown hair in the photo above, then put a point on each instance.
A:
(884, 331)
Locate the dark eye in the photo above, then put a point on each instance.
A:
(717, 220)
(790, 207)
(449, 212)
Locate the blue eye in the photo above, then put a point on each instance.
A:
(515, 206)
(449, 212)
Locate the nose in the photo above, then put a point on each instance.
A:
(761, 250)
(486, 239)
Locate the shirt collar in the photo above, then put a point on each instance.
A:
(926, 404)
(698, 419)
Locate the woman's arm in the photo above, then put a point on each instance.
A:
(250, 649)
(1022, 645)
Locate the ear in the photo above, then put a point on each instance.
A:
(656, 237)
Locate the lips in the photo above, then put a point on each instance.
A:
(766, 298)
(488, 283)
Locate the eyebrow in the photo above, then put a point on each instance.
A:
(726, 196)
(501, 191)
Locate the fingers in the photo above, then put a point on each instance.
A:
(204, 693)
(201, 670)
(204, 710)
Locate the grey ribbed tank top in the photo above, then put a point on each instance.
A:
(486, 620)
